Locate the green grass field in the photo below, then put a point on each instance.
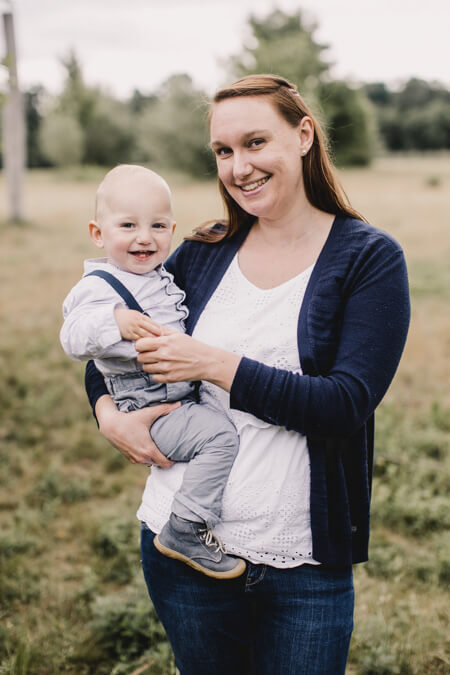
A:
(72, 599)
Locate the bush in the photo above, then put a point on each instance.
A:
(53, 486)
(19, 582)
(126, 631)
(16, 543)
(376, 650)
(115, 544)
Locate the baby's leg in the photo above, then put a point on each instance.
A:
(207, 440)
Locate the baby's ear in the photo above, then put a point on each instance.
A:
(96, 234)
(174, 227)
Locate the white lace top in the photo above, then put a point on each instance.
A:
(265, 511)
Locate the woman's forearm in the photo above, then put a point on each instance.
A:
(220, 367)
(104, 409)
(180, 358)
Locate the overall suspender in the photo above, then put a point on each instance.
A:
(122, 290)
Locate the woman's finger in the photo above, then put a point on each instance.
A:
(147, 344)
(151, 364)
(159, 460)
(151, 326)
(152, 413)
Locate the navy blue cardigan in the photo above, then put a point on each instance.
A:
(352, 329)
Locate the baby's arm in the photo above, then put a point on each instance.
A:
(90, 329)
(95, 326)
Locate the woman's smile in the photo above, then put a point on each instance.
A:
(253, 187)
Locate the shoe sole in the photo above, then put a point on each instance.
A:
(170, 553)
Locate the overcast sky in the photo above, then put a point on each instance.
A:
(123, 44)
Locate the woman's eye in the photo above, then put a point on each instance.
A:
(256, 142)
(221, 152)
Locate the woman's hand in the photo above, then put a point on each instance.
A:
(129, 432)
(177, 357)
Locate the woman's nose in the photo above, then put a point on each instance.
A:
(242, 167)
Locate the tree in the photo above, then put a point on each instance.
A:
(172, 129)
(428, 127)
(33, 119)
(284, 44)
(392, 129)
(102, 127)
(415, 93)
(349, 125)
(109, 135)
(76, 99)
(139, 101)
(416, 117)
(378, 93)
(61, 139)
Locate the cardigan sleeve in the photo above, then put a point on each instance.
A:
(375, 320)
(94, 383)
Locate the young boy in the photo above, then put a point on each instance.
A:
(134, 224)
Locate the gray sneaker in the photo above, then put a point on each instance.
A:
(198, 547)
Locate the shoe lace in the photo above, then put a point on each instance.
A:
(211, 539)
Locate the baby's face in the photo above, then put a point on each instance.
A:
(135, 224)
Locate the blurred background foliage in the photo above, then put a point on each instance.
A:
(167, 127)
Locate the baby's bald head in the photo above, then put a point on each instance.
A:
(133, 218)
(117, 183)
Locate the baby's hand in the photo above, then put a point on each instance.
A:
(134, 325)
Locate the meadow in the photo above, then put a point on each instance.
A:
(72, 598)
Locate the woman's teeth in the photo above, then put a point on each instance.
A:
(253, 186)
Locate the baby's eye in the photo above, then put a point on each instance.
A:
(127, 226)
(159, 226)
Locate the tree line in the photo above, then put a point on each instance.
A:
(167, 127)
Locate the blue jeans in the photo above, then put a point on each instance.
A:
(268, 622)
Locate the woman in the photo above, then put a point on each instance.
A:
(298, 316)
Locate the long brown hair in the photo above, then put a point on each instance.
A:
(322, 188)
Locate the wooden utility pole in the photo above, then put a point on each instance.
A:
(13, 125)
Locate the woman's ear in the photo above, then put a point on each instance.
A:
(96, 234)
(306, 134)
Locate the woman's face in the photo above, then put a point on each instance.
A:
(258, 154)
